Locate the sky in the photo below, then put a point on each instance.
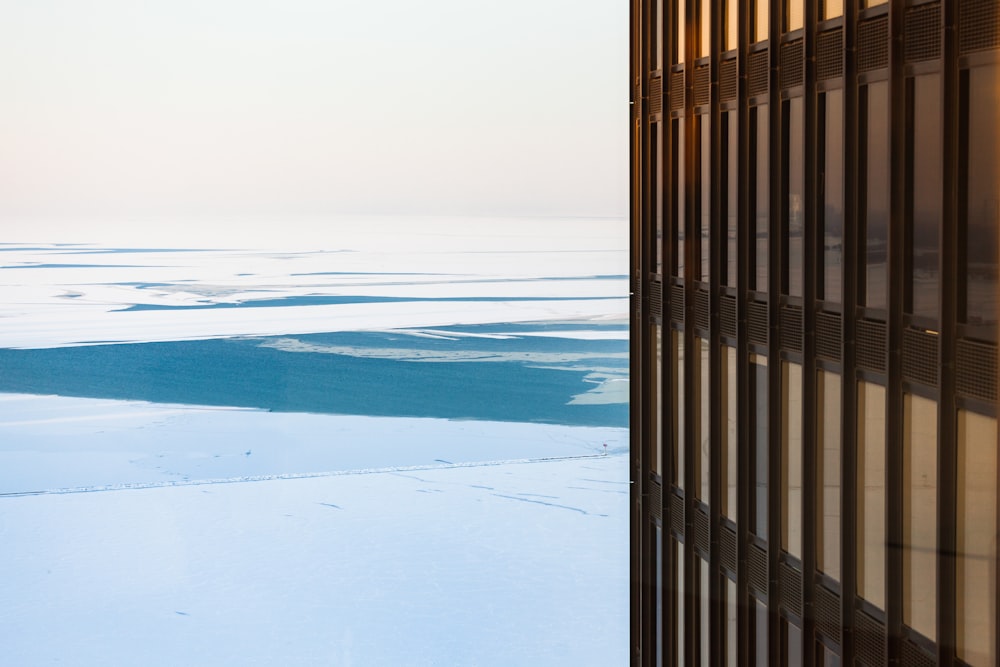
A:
(198, 115)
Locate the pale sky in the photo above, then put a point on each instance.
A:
(200, 113)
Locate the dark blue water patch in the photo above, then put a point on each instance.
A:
(242, 373)
(329, 300)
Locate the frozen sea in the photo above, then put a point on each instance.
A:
(402, 444)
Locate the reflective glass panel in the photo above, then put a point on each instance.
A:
(793, 14)
(704, 426)
(730, 135)
(729, 433)
(792, 636)
(705, 25)
(920, 442)
(982, 198)
(923, 287)
(832, 182)
(791, 458)
(658, 21)
(871, 493)
(704, 185)
(656, 174)
(659, 592)
(758, 246)
(795, 205)
(875, 142)
(732, 646)
(976, 573)
(679, 33)
(828, 475)
(677, 382)
(760, 633)
(758, 375)
(678, 188)
(705, 611)
(760, 19)
(656, 371)
(732, 16)
(679, 605)
(832, 8)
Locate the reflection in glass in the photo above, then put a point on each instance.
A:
(792, 635)
(678, 187)
(981, 91)
(873, 3)
(658, 22)
(759, 149)
(760, 20)
(731, 34)
(758, 515)
(795, 211)
(679, 604)
(976, 574)
(793, 14)
(923, 284)
(729, 136)
(679, 32)
(875, 142)
(704, 185)
(760, 633)
(732, 647)
(791, 458)
(659, 591)
(828, 658)
(871, 493)
(728, 394)
(655, 372)
(920, 442)
(705, 610)
(704, 439)
(832, 182)
(656, 174)
(705, 24)
(677, 382)
(828, 460)
(832, 8)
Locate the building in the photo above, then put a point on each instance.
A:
(815, 216)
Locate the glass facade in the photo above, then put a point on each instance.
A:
(828, 310)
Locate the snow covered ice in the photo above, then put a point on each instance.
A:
(239, 530)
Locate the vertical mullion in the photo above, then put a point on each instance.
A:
(947, 415)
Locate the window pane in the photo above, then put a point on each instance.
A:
(731, 134)
(876, 235)
(705, 23)
(793, 15)
(677, 382)
(728, 394)
(794, 214)
(705, 611)
(828, 475)
(832, 8)
(832, 182)
(656, 174)
(920, 514)
(704, 185)
(679, 32)
(760, 21)
(658, 21)
(871, 493)
(732, 647)
(760, 633)
(791, 458)
(704, 426)
(982, 198)
(977, 539)
(732, 36)
(679, 605)
(656, 371)
(678, 188)
(758, 517)
(759, 121)
(793, 643)
(872, 3)
(926, 206)
(659, 592)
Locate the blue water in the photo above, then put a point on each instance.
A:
(534, 385)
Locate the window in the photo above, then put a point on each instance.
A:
(758, 379)
(828, 452)
(871, 493)
(976, 597)
(705, 188)
(656, 397)
(920, 461)
(793, 15)
(831, 182)
(925, 177)
(875, 186)
(704, 439)
(677, 382)
(760, 19)
(728, 394)
(791, 458)
(760, 189)
(678, 190)
(730, 175)
(793, 221)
